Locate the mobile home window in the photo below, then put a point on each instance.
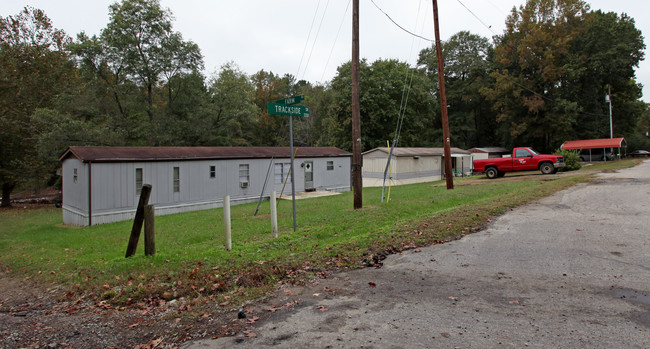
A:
(138, 181)
(177, 179)
(280, 172)
(74, 175)
(213, 171)
(277, 173)
(330, 165)
(243, 175)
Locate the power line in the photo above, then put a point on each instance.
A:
(335, 40)
(399, 26)
(313, 20)
(489, 27)
(315, 38)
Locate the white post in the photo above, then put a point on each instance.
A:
(274, 215)
(226, 221)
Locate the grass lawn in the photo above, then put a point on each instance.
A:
(191, 259)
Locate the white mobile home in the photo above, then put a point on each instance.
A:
(102, 184)
(412, 165)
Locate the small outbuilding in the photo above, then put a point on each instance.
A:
(488, 152)
(596, 149)
(412, 165)
(102, 184)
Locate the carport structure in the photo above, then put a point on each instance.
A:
(600, 144)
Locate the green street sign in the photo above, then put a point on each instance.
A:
(284, 109)
(291, 100)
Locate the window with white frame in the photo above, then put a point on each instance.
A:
(213, 171)
(244, 175)
(280, 172)
(74, 175)
(177, 179)
(330, 165)
(138, 181)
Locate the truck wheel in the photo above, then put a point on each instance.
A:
(491, 172)
(546, 168)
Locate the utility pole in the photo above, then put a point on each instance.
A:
(357, 161)
(443, 100)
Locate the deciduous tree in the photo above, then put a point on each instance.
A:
(34, 69)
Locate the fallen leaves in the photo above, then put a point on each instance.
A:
(249, 333)
(372, 284)
(252, 320)
(322, 308)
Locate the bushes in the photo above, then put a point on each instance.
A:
(571, 160)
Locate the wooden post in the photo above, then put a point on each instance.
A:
(449, 177)
(357, 160)
(226, 221)
(137, 221)
(274, 215)
(149, 230)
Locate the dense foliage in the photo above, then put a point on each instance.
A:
(540, 83)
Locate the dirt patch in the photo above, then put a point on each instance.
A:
(35, 316)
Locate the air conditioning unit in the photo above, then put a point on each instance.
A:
(243, 184)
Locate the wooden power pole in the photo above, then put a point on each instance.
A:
(357, 161)
(443, 100)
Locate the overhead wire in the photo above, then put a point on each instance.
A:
(308, 37)
(315, 38)
(406, 91)
(489, 27)
(335, 40)
(399, 26)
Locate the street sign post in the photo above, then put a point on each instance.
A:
(286, 109)
(286, 106)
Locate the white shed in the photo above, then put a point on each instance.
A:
(102, 184)
(412, 165)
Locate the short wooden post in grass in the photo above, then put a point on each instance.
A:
(149, 230)
(226, 221)
(137, 221)
(274, 215)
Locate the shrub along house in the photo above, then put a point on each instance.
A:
(102, 184)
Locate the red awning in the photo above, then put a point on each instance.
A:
(594, 144)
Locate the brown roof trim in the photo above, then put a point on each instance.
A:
(130, 154)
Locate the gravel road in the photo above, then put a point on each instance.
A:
(570, 271)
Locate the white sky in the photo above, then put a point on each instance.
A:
(272, 35)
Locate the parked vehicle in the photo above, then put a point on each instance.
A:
(523, 159)
(596, 155)
(639, 153)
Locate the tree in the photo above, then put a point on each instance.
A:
(467, 65)
(388, 88)
(271, 130)
(531, 74)
(111, 99)
(232, 100)
(34, 69)
(554, 65)
(603, 58)
(139, 39)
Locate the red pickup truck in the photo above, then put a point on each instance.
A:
(523, 159)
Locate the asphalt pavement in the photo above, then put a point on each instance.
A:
(569, 271)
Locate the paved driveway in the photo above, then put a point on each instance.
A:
(570, 271)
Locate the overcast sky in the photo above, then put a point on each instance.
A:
(302, 37)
